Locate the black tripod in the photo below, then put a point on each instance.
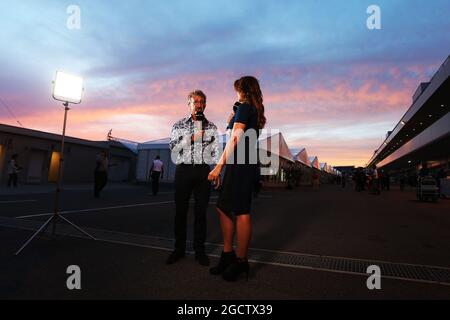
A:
(56, 214)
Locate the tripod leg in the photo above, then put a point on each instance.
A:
(54, 225)
(78, 228)
(35, 234)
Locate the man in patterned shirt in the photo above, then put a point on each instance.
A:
(194, 144)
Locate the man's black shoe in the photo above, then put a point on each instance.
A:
(174, 257)
(202, 258)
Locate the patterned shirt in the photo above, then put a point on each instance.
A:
(199, 152)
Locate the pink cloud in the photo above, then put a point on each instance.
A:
(294, 97)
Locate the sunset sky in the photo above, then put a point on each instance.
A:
(329, 83)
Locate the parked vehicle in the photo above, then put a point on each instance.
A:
(427, 189)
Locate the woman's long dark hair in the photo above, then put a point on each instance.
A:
(250, 91)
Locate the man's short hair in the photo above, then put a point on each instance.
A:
(199, 93)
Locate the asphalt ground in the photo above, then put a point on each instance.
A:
(332, 221)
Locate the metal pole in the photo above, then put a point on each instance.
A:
(61, 163)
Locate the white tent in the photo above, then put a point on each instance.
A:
(265, 143)
(314, 161)
(302, 157)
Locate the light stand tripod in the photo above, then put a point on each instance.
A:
(56, 214)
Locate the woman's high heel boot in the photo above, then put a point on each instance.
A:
(235, 269)
(226, 259)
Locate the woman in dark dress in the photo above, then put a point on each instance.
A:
(239, 160)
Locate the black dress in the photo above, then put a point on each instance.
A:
(239, 178)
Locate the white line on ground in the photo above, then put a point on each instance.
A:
(99, 209)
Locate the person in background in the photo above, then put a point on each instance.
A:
(13, 170)
(343, 180)
(101, 173)
(440, 175)
(424, 171)
(290, 176)
(156, 173)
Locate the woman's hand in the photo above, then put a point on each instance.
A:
(214, 176)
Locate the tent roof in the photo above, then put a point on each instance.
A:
(283, 149)
(314, 162)
(155, 144)
(130, 145)
(302, 156)
(163, 140)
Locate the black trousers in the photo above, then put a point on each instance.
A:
(155, 181)
(12, 179)
(100, 179)
(188, 179)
